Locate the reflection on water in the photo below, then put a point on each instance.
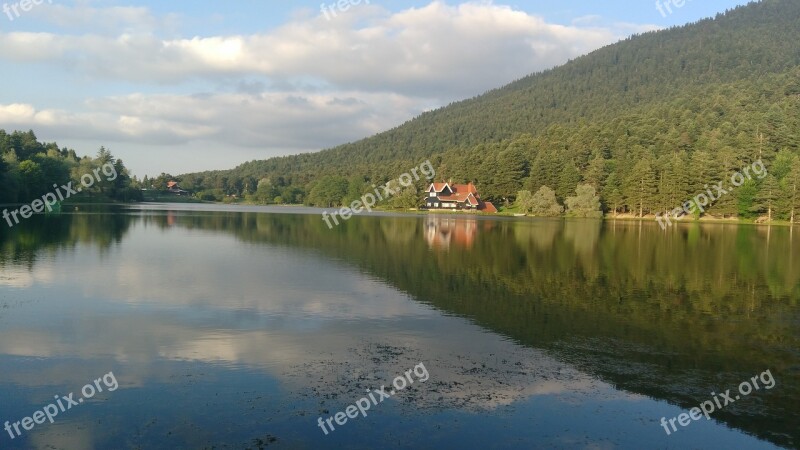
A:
(240, 327)
(440, 232)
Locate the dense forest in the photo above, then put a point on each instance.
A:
(648, 122)
(29, 169)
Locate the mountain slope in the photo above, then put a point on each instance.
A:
(676, 88)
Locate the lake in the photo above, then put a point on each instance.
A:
(205, 326)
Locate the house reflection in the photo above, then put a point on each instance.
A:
(441, 232)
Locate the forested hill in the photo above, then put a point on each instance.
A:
(30, 169)
(647, 121)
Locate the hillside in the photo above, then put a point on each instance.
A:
(648, 121)
(30, 169)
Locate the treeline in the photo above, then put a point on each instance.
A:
(647, 161)
(29, 169)
(647, 122)
(656, 158)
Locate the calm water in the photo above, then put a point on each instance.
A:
(240, 327)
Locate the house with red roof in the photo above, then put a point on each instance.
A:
(457, 197)
(174, 188)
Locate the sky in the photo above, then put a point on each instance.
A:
(193, 85)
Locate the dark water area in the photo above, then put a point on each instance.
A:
(238, 327)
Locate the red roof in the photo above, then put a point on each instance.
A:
(489, 208)
(460, 197)
(439, 187)
(172, 184)
(460, 192)
(470, 188)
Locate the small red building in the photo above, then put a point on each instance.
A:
(174, 188)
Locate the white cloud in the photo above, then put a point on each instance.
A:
(442, 50)
(289, 121)
(105, 20)
(309, 84)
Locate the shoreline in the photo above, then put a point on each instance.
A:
(514, 214)
(418, 212)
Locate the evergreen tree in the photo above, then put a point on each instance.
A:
(596, 172)
(746, 195)
(793, 188)
(725, 204)
(704, 171)
(544, 171)
(568, 177)
(510, 169)
(675, 188)
(641, 186)
(613, 193)
(766, 196)
(782, 164)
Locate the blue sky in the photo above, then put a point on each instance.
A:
(184, 86)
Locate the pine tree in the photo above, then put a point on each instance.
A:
(704, 170)
(567, 179)
(793, 182)
(544, 169)
(674, 183)
(746, 195)
(641, 186)
(596, 172)
(725, 203)
(612, 193)
(511, 167)
(766, 196)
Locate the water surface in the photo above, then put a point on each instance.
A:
(234, 327)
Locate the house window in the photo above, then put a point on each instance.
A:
(433, 194)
